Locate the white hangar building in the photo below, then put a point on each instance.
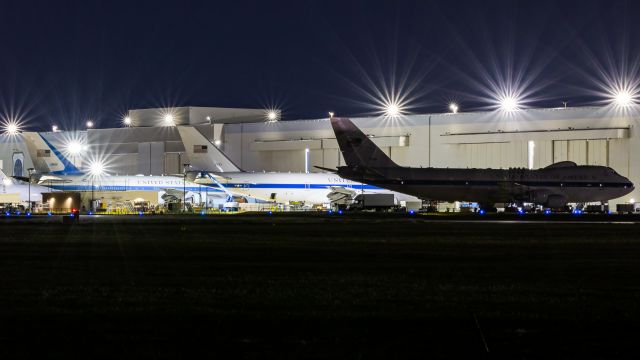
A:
(530, 138)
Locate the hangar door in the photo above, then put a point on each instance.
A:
(495, 155)
(172, 163)
(582, 152)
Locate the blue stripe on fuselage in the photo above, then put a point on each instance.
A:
(298, 186)
(127, 188)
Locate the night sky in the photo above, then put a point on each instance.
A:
(64, 62)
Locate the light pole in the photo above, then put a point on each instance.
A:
(96, 170)
(30, 170)
(184, 187)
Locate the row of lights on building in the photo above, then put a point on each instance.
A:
(508, 103)
(621, 98)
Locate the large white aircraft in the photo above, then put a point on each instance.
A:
(16, 191)
(170, 188)
(308, 188)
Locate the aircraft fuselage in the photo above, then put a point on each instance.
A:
(575, 184)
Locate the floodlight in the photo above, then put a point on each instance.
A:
(272, 115)
(393, 110)
(453, 107)
(96, 168)
(54, 128)
(509, 103)
(217, 142)
(11, 128)
(168, 119)
(127, 121)
(74, 147)
(623, 98)
(89, 124)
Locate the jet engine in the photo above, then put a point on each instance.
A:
(556, 201)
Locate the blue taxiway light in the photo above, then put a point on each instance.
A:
(547, 212)
(340, 212)
(481, 212)
(521, 211)
(140, 213)
(49, 214)
(7, 213)
(28, 214)
(411, 212)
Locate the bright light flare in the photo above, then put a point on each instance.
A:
(509, 103)
(454, 108)
(169, 120)
(96, 168)
(393, 110)
(89, 124)
(12, 129)
(127, 121)
(392, 106)
(272, 115)
(6, 181)
(624, 97)
(54, 128)
(74, 147)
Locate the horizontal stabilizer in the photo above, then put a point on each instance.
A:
(326, 169)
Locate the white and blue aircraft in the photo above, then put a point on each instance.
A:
(308, 188)
(18, 191)
(170, 188)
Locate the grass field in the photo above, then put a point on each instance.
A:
(257, 286)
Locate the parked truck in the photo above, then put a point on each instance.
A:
(377, 202)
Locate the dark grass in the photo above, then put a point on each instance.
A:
(317, 287)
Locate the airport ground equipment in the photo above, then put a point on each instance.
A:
(625, 208)
(378, 202)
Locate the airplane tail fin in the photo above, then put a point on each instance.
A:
(356, 147)
(63, 165)
(203, 154)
